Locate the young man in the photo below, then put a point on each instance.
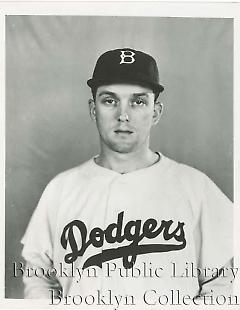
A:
(130, 221)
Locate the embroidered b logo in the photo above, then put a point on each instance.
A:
(127, 57)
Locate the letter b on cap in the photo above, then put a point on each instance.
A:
(127, 57)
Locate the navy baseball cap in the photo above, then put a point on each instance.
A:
(126, 65)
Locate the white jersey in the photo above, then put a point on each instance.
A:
(144, 231)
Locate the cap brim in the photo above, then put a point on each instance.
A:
(99, 82)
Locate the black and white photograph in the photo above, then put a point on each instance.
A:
(119, 161)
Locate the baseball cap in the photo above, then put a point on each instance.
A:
(126, 65)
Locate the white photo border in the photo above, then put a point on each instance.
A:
(120, 8)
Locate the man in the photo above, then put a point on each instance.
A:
(130, 221)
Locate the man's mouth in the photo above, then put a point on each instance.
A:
(122, 131)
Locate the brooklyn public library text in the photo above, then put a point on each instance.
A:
(110, 269)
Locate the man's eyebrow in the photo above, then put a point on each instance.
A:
(142, 94)
(106, 92)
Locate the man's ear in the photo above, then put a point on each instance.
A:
(157, 113)
(92, 109)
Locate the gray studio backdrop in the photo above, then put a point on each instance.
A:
(48, 130)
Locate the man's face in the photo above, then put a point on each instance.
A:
(124, 115)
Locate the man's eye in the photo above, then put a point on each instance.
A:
(139, 102)
(109, 101)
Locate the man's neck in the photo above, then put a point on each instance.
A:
(127, 162)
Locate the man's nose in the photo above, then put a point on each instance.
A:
(123, 113)
(123, 118)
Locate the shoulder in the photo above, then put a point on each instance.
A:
(194, 181)
(185, 172)
(75, 175)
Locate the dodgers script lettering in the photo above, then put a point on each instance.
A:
(134, 232)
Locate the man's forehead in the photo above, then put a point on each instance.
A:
(124, 89)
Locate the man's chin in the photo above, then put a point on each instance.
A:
(123, 148)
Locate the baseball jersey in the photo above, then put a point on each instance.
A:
(153, 229)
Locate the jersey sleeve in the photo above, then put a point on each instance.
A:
(216, 227)
(38, 238)
(38, 243)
